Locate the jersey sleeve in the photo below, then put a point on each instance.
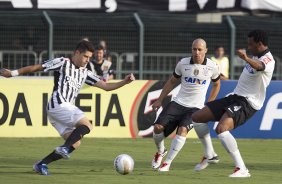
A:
(53, 64)
(268, 62)
(91, 78)
(177, 71)
(216, 73)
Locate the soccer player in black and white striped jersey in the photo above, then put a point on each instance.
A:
(68, 120)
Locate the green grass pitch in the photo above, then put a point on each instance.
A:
(93, 162)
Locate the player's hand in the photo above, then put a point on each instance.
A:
(156, 105)
(5, 72)
(129, 78)
(242, 54)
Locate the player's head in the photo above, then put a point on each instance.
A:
(257, 41)
(99, 53)
(83, 52)
(199, 50)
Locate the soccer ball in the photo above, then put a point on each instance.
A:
(124, 164)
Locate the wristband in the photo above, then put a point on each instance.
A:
(14, 73)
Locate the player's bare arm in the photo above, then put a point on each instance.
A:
(28, 69)
(166, 90)
(112, 86)
(214, 91)
(258, 65)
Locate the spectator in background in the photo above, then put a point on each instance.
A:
(107, 56)
(30, 39)
(101, 66)
(17, 44)
(222, 61)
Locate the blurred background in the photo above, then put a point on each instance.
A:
(144, 37)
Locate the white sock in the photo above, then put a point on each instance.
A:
(176, 145)
(230, 144)
(203, 132)
(159, 141)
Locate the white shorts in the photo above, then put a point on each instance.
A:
(64, 117)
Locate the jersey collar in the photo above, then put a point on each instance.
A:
(204, 63)
(263, 53)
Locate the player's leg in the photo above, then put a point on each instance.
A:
(58, 118)
(203, 115)
(230, 144)
(162, 128)
(211, 112)
(176, 145)
(41, 166)
(203, 132)
(83, 127)
(158, 136)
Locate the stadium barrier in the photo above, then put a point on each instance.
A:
(125, 112)
(157, 66)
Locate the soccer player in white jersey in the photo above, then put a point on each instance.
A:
(247, 98)
(195, 73)
(68, 120)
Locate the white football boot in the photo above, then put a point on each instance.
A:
(205, 163)
(240, 173)
(164, 167)
(156, 162)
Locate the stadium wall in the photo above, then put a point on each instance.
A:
(125, 112)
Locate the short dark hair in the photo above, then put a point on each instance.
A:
(218, 46)
(99, 47)
(84, 46)
(259, 36)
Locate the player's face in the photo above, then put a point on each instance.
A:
(83, 58)
(99, 54)
(199, 51)
(253, 46)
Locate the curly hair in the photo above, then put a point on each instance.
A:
(259, 36)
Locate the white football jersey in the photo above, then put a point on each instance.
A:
(195, 80)
(252, 83)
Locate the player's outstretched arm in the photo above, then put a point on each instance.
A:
(112, 86)
(258, 65)
(28, 69)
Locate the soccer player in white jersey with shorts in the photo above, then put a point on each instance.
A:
(195, 73)
(247, 98)
(68, 120)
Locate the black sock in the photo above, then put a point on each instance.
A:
(54, 156)
(76, 135)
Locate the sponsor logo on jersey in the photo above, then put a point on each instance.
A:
(195, 80)
(72, 82)
(250, 69)
(237, 108)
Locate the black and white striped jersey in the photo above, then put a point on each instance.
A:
(68, 80)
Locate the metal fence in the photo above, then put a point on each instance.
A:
(167, 38)
(157, 66)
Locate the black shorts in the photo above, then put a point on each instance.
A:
(174, 116)
(236, 106)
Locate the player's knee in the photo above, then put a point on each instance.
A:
(182, 131)
(158, 128)
(220, 128)
(77, 144)
(90, 126)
